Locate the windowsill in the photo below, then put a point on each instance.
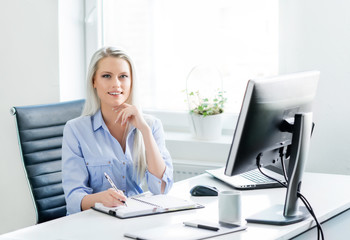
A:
(187, 137)
(184, 147)
(178, 121)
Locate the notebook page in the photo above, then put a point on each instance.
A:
(143, 205)
(166, 202)
(134, 208)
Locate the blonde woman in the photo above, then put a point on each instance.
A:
(112, 136)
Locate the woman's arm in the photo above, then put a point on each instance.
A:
(75, 174)
(155, 162)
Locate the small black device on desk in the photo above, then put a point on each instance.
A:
(204, 190)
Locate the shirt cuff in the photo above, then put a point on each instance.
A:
(74, 202)
(154, 183)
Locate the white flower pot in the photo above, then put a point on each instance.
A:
(206, 128)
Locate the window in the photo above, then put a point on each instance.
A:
(167, 38)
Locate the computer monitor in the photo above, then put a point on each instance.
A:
(275, 119)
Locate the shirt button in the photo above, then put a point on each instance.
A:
(123, 163)
(109, 162)
(87, 163)
(123, 177)
(124, 191)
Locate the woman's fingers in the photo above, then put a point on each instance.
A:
(119, 115)
(129, 113)
(115, 198)
(120, 196)
(116, 194)
(122, 116)
(120, 110)
(120, 107)
(125, 116)
(124, 112)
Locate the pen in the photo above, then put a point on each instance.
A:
(129, 235)
(189, 224)
(113, 186)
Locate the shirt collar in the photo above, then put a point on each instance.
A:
(97, 120)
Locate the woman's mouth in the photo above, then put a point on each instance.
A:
(115, 93)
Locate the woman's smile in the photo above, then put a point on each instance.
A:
(115, 94)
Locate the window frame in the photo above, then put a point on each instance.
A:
(173, 121)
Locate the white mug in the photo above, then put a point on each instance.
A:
(230, 207)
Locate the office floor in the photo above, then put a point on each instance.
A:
(337, 226)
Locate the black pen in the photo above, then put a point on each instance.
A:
(189, 224)
(113, 186)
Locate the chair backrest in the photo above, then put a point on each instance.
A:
(40, 131)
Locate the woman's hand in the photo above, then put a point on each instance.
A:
(112, 198)
(129, 113)
(109, 198)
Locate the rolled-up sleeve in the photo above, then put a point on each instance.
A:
(74, 172)
(154, 183)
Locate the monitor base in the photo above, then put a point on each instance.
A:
(274, 216)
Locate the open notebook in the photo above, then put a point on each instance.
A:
(146, 205)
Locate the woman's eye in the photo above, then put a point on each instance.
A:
(123, 76)
(106, 76)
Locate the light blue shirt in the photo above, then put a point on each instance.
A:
(89, 150)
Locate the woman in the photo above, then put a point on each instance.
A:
(112, 136)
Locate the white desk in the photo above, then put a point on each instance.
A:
(328, 194)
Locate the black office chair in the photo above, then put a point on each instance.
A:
(40, 131)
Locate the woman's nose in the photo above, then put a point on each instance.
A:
(117, 82)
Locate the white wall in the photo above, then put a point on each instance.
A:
(29, 75)
(42, 49)
(315, 34)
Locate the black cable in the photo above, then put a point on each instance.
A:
(308, 206)
(258, 165)
(281, 151)
(302, 197)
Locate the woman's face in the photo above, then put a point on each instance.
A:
(112, 81)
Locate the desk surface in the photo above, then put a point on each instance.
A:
(328, 194)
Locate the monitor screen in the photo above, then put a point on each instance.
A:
(267, 102)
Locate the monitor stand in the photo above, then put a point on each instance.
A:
(290, 212)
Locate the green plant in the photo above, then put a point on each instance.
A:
(206, 106)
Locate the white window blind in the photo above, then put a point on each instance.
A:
(167, 38)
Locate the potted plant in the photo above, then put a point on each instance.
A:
(206, 114)
(205, 106)
(206, 100)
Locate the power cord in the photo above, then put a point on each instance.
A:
(302, 197)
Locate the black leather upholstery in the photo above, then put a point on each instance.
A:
(40, 131)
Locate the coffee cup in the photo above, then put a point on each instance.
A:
(230, 207)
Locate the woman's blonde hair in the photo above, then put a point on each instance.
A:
(93, 102)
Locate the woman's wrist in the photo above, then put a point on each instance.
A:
(89, 200)
(145, 130)
(86, 202)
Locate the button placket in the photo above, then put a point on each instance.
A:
(123, 175)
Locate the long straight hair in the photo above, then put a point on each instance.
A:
(93, 102)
